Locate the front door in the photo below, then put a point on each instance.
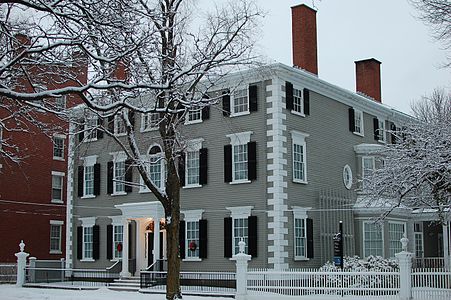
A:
(149, 248)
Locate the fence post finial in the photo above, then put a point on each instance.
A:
(405, 270)
(21, 264)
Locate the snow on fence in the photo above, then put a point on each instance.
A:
(308, 282)
(8, 273)
(431, 283)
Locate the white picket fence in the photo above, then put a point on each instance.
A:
(431, 283)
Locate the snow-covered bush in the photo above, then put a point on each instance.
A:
(357, 264)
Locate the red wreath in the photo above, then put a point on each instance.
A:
(192, 246)
(119, 247)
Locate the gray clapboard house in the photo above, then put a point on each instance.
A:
(278, 162)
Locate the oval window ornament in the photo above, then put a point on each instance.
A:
(347, 177)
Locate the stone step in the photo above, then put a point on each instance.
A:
(124, 288)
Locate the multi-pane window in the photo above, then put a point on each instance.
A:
(88, 235)
(55, 237)
(240, 232)
(60, 102)
(119, 125)
(299, 156)
(395, 233)
(300, 238)
(89, 180)
(119, 177)
(358, 117)
(91, 127)
(155, 170)
(367, 170)
(58, 147)
(192, 167)
(240, 101)
(240, 161)
(150, 121)
(192, 239)
(194, 115)
(372, 239)
(381, 130)
(57, 188)
(298, 105)
(118, 237)
(419, 242)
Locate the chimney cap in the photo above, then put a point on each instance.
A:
(304, 5)
(368, 60)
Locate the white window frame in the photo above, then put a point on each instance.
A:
(391, 250)
(88, 222)
(358, 115)
(381, 131)
(238, 139)
(347, 177)
(147, 158)
(146, 119)
(298, 138)
(371, 223)
(193, 147)
(239, 213)
(88, 162)
(194, 112)
(418, 239)
(192, 216)
(118, 123)
(56, 224)
(118, 157)
(61, 176)
(61, 137)
(365, 176)
(233, 104)
(117, 238)
(300, 213)
(61, 102)
(90, 129)
(297, 96)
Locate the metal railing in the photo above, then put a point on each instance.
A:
(428, 262)
(8, 273)
(69, 277)
(201, 282)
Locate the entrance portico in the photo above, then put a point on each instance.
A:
(147, 216)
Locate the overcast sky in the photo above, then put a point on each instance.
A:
(350, 30)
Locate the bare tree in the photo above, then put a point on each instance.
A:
(436, 14)
(142, 57)
(416, 172)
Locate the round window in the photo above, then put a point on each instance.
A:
(347, 177)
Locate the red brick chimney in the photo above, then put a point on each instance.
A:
(120, 72)
(303, 20)
(368, 78)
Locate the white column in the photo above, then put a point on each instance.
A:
(21, 264)
(156, 241)
(405, 271)
(446, 253)
(241, 271)
(139, 244)
(125, 250)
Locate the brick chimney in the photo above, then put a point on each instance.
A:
(120, 72)
(303, 20)
(368, 78)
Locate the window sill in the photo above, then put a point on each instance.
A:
(89, 140)
(193, 122)
(119, 194)
(358, 133)
(57, 201)
(58, 158)
(116, 259)
(149, 129)
(382, 141)
(88, 197)
(297, 113)
(240, 181)
(300, 181)
(192, 186)
(120, 134)
(55, 252)
(192, 259)
(87, 260)
(244, 113)
(301, 258)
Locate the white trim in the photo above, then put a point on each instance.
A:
(89, 160)
(87, 221)
(382, 132)
(367, 148)
(194, 144)
(239, 138)
(298, 138)
(363, 237)
(347, 185)
(117, 220)
(232, 102)
(362, 121)
(56, 222)
(57, 173)
(70, 195)
(192, 215)
(119, 156)
(240, 212)
(404, 224)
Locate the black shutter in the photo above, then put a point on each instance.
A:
(228, 163)
(79, 242)
(252, 161)
(310, 238)
(128, 176)
(181, 168)
(100, 129)
(393, 133)
(182, 239)
(203, 166)
(131, 117)
(110, 176)
(110, 124)
(95, 241)
(81, 133)
(376, 128)
(253, 98)
(206, 112)
(306, 102)
(252, 239)
(109, 241)
(80, 180)
(289, 95)
(228, 237)
(97, 179)
(226, 103)
(351, 119)
(203, 239)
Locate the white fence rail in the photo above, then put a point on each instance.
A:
(312, 282)
(431, 283)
